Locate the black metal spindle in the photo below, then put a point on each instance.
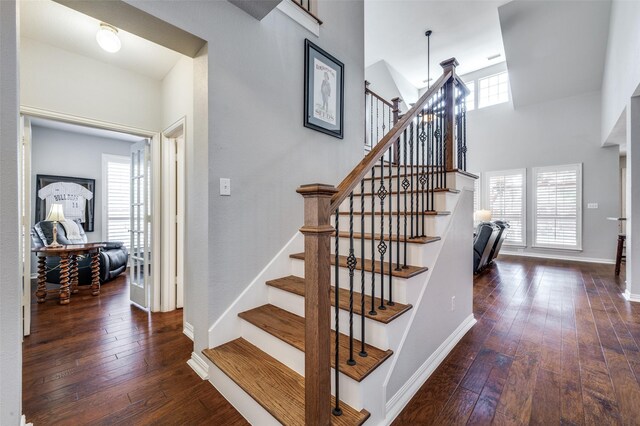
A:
(382, 246)
(373, 241)
(444, 137)
(390, 273)
(423, 176)
(398, 267)
(411, 175)
(363, 352)
(351, 264)
(405, 186)
(337, 411)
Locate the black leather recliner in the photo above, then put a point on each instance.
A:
(113, 258)
(502, 235)
(486, 236)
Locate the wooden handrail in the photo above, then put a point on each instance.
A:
(349, 183)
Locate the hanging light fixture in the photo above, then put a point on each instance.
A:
(428, 117)
(107, 38)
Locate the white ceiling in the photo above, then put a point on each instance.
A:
(62, 27)
(554, 49)
(92, 131)
(467, 30)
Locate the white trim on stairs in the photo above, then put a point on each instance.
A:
(630, 296)
(199, 365)
(23, 421)
(403, 396)
(558, 257)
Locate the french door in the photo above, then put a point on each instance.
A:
(141, 208)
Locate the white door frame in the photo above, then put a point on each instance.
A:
(155, 161)
(173, 205)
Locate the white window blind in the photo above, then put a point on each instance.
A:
(476, 194)
(557, 207)
(493, 90)
(118, 198)
(504, 194)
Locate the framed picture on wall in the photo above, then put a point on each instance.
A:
(77, 196)
(323, 91)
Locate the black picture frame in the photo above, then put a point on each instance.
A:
(89, 211)
(323, 105)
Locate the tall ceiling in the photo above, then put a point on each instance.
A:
(467, 30)
(57, 25)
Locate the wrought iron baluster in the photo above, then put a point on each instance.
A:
(444, 145)
(363, 352)
(398, 267)
(405, 186)
(423, 177)
(382, 246)
(337, 411)
(351, 264)
(464, 134)
(411, 174)
(390, 300)
(373, 241)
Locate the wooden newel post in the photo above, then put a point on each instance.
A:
(317, 232)
(396, 116)
(450, 112)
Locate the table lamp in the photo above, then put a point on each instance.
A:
(56, 214)
(482, 215)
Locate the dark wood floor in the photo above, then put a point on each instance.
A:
(555, 343)
(100, 360)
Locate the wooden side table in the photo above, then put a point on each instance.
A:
(68, 269)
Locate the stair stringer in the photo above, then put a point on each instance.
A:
(433, 328)
(229, 325)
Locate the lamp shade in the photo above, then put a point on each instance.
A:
(56, 214)
(482, 215)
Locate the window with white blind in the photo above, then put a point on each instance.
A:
(504, 193)
(476, 194)
(116, 199)
(557, 202)
(493, 89)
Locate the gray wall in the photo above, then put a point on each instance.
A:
(565, 131)
(10, 285)
(255, 137)
(62, 153)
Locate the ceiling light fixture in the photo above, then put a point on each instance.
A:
(497, 55)
(107, 38)
(428, 34)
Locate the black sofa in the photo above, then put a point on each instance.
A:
(486, 235)
(113, 258)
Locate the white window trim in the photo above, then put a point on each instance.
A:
(300, 16)
(486, 205)
(477, 98)
(105, 191)
(535, 171)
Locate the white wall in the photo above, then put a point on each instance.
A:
(389, 83)
(62, 153)
(10, 283)
(565, 131)
(622, 66)
(57, 80)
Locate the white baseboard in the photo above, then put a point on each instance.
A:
(408, 390)
(631, 297)
(23, 421)
(199, 365)
(554, 256)
(187, 329)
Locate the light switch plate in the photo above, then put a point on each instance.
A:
(592, 205)
(225, 186)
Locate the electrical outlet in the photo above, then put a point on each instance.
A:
(453, 303)
(225, 186)
(592, 205)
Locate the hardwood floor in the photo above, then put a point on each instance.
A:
(100, 360)
(555, 343)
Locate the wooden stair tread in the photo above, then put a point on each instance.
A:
(416, 191)
(296, 285)
(416, 240)
(274, 386)
(408, 272)
(426, 213)
(290, 328)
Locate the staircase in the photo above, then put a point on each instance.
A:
(327, 329)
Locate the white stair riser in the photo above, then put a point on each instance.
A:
(350, 392)
(375, 332)
(434, 225)
(417, 254)
(399, 284)
(444, 201)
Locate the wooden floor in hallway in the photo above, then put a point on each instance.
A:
(555, 344)
(100, 360)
